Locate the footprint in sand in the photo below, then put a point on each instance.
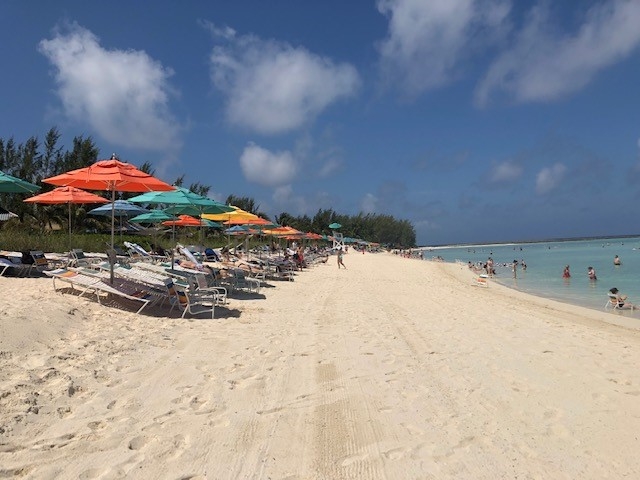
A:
(138, 442)
(179, 445)
(412, 429)
(350, 460)
(395, 453)
(92, 473)
(99, 425)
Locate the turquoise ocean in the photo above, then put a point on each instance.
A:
(545, 263)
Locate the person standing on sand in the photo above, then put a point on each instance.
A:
(340, 263)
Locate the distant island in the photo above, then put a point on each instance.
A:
(522, 242)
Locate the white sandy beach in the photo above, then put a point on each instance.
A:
(392, 369)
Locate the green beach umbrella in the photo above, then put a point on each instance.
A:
(10, 184)
(154, 216)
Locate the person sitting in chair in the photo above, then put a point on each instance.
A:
(615, 295)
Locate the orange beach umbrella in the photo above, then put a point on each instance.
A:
(66, 195)
(111, 175)
(184, 221)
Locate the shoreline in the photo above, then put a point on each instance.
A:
(389, 369)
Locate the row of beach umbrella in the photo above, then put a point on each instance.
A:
(115, 176)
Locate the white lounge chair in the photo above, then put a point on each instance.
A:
(7, 265)
(189, 302)
(95, 284)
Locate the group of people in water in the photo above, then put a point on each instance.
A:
(591, 272)
(489, 267)
(613, 292)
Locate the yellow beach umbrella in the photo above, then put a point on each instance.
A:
(225, 217)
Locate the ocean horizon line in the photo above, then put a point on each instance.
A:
(524, 242)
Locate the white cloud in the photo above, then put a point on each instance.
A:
(549, 178)
(273, 87)
(505, 172)
(122, 95)
(369, 203)
(545, 65)
(267, 168)
(427, 39)
(330, 166)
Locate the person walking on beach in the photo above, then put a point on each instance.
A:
(340, 262)
(591, 273)
(566, 273)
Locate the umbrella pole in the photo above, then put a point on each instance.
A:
(113, 217)
(112, 258)
(69, 226)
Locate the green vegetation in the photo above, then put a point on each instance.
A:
(45, 227)
(383, 229)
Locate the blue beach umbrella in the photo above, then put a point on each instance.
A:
(120, 208)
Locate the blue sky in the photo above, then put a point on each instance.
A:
(477, 121)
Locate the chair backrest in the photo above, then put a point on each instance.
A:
(187, 253)
(78, 254)
(135, 248)
(39, 259)
(201, 280)
(178, 293)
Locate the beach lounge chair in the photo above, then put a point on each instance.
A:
(481, 281)
(95, 284)
(189, 302)
(202, 287)
(13, 265)
(40, 262)
(615, 302)
(136, 252)
(241, 281)
(77, 258)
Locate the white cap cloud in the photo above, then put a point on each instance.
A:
(427, 39)
(273, 87)
(267, 168)
(549, 178)
(543, 65)
(122, 95)
(505, 172)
